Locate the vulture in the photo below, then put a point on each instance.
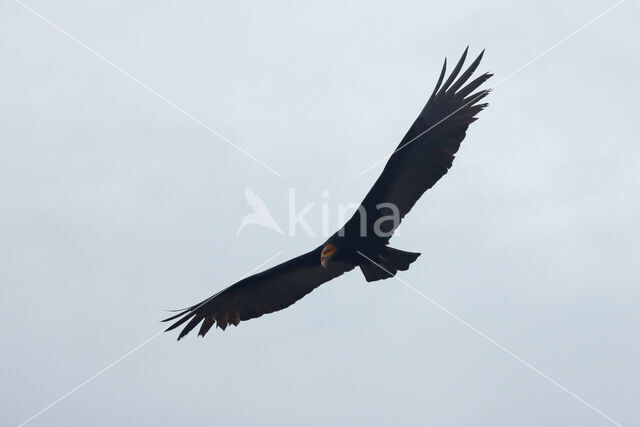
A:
(423, 156)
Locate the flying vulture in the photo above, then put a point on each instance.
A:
(423, 156)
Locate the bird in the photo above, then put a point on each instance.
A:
(422, 157)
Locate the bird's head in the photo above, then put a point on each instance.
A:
(328, 252)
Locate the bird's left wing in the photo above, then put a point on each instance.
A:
(271, 290)
(426, 152)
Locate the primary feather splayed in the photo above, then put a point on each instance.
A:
(423, 156)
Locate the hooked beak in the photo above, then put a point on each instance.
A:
(327, 253)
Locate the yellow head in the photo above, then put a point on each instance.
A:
(327, 253)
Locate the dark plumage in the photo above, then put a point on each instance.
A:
(423, 156)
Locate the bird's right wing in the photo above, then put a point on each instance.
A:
(271, 290)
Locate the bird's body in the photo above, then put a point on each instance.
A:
(423, 156)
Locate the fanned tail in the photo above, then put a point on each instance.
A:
(387, 263)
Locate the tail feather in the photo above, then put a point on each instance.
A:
(400, 259)
(387, 264)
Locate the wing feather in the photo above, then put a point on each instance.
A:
(271, 290)
(427, 151)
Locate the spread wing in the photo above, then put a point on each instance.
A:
(271, 290)
(426, 152)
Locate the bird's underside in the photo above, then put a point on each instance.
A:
(423, 156)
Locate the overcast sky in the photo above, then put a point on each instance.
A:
(116, 205)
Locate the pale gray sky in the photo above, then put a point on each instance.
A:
(116, 206)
